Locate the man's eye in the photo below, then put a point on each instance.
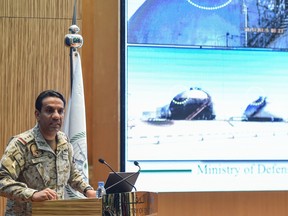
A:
(50, 111)
(61, 112)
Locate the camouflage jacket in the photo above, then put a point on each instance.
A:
(29, 165)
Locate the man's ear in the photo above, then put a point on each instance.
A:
(37, 114)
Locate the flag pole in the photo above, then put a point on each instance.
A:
(72, 48)
(73, 40)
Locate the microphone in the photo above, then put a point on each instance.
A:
(137, 164)
(122, 179)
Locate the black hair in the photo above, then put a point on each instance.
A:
(48, 93)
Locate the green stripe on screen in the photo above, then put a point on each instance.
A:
(169, 171)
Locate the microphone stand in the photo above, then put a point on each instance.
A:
(122, 179)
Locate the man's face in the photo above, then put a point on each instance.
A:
(51, 116)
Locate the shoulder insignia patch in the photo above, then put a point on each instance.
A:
(25, 138)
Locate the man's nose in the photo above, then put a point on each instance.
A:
(56, 114)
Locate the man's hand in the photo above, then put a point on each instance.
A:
(91, 194)
(43, 195)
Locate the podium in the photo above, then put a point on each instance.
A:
(134, 204)
(130, 204)
(79, 207)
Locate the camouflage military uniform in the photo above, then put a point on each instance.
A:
(29, 165)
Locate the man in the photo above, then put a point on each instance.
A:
(38, 164)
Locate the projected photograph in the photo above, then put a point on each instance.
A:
(227, 23)
(206, 104)
(204, 94)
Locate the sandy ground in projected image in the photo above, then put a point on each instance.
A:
(207, 140)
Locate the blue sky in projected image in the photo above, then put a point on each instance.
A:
(233, 78)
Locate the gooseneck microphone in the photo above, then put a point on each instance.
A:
(122, 179)
(137, 164)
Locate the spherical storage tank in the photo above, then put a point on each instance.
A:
(194, 104)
